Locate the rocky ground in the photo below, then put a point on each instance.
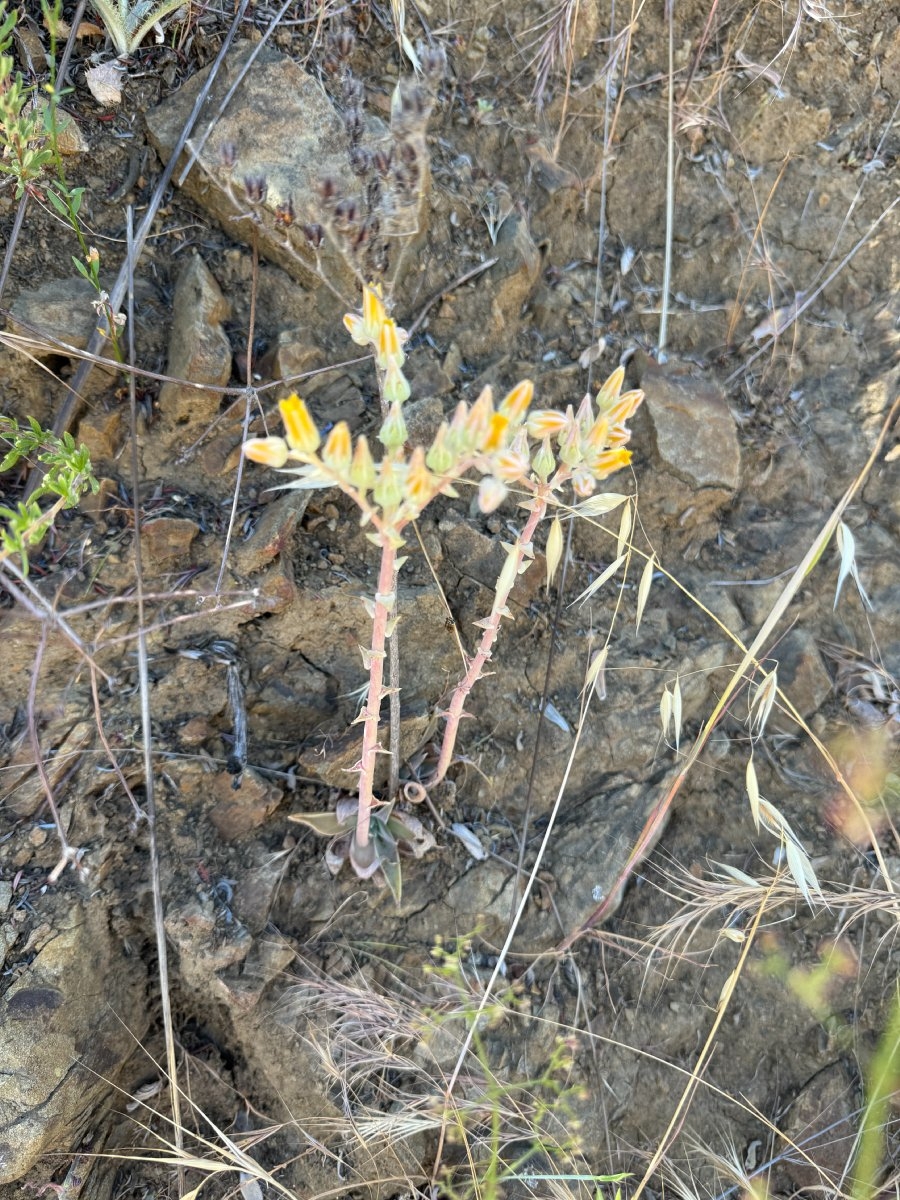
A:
(310, 1012)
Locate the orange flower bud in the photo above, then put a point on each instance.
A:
(338, 449)
(420, 483)
(270, 451)
(389, 346)
(607, 462)
(299, 426)
(515, 403)
(547, 423)
(510, 465)
(609, 391)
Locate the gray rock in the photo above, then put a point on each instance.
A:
(67, 1027)
(199, 349)
(281, 131)
(694, 432)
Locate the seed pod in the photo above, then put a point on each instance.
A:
(352, 91)
(228, 155)
(284, 214)
(344, 43)
(434, 62)
(314, 234)
(331, 64)
(256, 187)
(360, 161)
(328, 190)
(346, 215)
(381, 160)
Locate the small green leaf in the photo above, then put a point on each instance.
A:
(323, 824)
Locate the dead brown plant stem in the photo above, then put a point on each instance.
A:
(680, 1112)
(114, 762)
(670, 184)
(37, 606)
(162, 956)
(795, 314)
(245, 432)
(757, 233)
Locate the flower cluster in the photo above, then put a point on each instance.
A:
(501, 442)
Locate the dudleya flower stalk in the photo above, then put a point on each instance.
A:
(506, 446)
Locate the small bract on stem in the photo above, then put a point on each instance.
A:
(536, 454)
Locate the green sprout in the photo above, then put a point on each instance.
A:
(68, 475)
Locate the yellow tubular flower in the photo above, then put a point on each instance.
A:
(299, 426)
(478, 420)
(609, 391)
(388, 345)
(496, 434)
(598, 435)
(624, 407)
(270, 451)
(610, 461)
(374, 314)
(338, 449)
(515, 403)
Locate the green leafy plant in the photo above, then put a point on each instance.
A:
(30, 154)
(128, 23)
(535, 454)
(25, 152)
(68, 476)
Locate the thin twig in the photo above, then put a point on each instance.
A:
(147, 729)
(670, 187)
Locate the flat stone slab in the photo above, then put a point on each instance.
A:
(695, 433)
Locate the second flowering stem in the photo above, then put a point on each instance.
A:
(519, 556)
